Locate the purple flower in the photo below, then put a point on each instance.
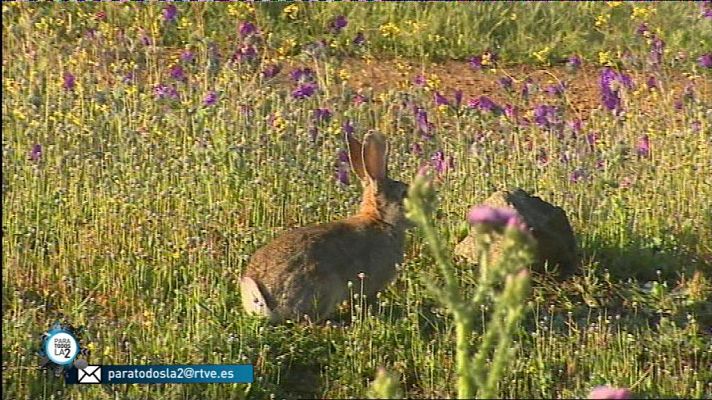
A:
(313, 133)
(177, 73)
(506, 82)
(705, 60)
(652, 83)
(556, 89)
(706, 9)
(576, 125)
(359, 40)
(302, 75)
(497, 218)
(419, 80)
(347, 127)
(145, 39)
(441, 100)
(421, 119)
(512, 112)
(342, 167)
(247, 29)
(187, 56)
(359, 99)
(416, 149)
(304, 90)
(476, 62)
(484, 103)
(458, 98)
(271, 70)
(338, 23)
(546, 115)
(129, 78)
(688, 93)
(342, 175)
(607, 392)
(165, 92)
(657, 49)
(36, 153)
(322, 114)
(425, 127)
(625, 80)
(170, 12)
(574, 62)
(527, 87)
(642, 29)
(577, 175)
(610, 82)
(441, 164)
(643, 147)
(246, 110)
(246, 52)
(592, 139)
(69, 81)
(210, 99)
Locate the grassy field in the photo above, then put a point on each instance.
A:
(147, 154)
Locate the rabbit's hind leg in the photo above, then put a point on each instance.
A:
(253, 301)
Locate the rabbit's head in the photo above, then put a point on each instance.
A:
(383, 197)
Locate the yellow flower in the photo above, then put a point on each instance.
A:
(344, 75)
(415, 26)
(642, 13)
(368, 59)
(513, 17)
(602, 20)
(614, 4)
(604, 58)
(107, 351)
(233, 9)
(184, 23)
(278, 123)
(443, 108)
(19, 114)
(433, 82)
(291, 11)
(287, 46)
(541, 55)
(42, 25)
(389, 30)
(91, 346)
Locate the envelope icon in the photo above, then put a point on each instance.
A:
(90, 374)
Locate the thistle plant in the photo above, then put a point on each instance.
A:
(478, 373)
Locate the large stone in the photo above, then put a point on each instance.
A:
(556, 244)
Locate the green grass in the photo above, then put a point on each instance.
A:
(140, 215)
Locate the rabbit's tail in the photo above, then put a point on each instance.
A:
(253, 301)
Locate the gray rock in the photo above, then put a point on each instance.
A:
(556, 244)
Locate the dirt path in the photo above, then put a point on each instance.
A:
(582, 87)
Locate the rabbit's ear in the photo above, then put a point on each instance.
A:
(375, 156)
(356, 156)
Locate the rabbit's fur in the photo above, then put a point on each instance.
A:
(305, 272)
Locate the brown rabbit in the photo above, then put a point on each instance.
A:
(305, 272)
